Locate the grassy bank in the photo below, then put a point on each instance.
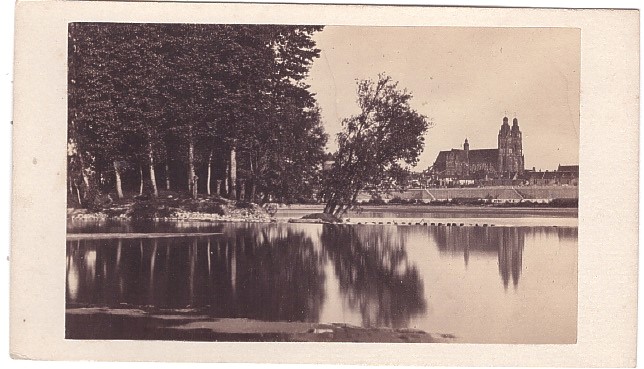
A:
(171, 207)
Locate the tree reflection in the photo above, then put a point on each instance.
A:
(270, 273)
(506, 242)
(567, 233)
(374, 274)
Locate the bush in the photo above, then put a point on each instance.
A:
(114, 212)
(324, 217)
(306, 201)
(150, 210)
(441, 202)
(467, 201)
(244, 205)
(211, 208)
(96, 202)
(565, 203)
(376, 201)
(205, 206)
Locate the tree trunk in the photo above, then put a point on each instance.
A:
(226, 179)
(117, 173)
(80, 202)
(233, 173)
(141, 176)
(330, 207)
(218, 187)
(89, 189)
(209, 173)
(252, 178)
(167, 175)
(153, 177)
(253, 190)
(242, 189)
(192, 183)
(83, 169)
(341, 210)
(71, 185)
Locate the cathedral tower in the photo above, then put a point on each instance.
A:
(504, 143)
(517, 147)
(510, 146)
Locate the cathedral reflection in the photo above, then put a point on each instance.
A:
(374, 273)
(506, 242)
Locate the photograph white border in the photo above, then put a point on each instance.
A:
(608, 237)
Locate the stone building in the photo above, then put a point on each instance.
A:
(506, 161)
(564, 175)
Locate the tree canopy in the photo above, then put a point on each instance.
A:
(170, 97)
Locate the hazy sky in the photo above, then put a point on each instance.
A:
(464, 80)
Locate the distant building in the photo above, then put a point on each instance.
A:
(506, 161)
(564, 175)
(568, 169)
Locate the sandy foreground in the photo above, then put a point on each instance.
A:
(190, 325)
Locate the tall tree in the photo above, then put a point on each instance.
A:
(387, 132)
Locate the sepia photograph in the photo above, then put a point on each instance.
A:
(322, 183)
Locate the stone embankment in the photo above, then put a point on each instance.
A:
(526, 193)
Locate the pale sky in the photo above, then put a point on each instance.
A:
(464, 80)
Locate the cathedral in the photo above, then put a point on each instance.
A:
(506, 161)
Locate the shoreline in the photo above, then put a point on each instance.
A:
(382, 215)
(426, 215)
(454, 222)
(428, 208)
(190, 325)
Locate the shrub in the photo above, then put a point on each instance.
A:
(565, 203)
(324, 217)
(205, 206)
(244, 205)
(376, 201)
(149, 210)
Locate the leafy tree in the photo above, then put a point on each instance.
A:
(94, 135)
(284, 118)
(372, 145)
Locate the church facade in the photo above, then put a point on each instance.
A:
(506, 161)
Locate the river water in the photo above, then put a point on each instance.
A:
(479, 284)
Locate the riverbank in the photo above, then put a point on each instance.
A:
(222, 210)
(174, 208)
(193, 325)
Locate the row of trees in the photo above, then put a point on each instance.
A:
(198, 108)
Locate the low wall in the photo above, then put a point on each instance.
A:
(500, 192)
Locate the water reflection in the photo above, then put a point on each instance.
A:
(567, 234)
(461, 280)
(507, 243)
(374, 274)
(243, 274)
(140, 226)
(263, 272)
